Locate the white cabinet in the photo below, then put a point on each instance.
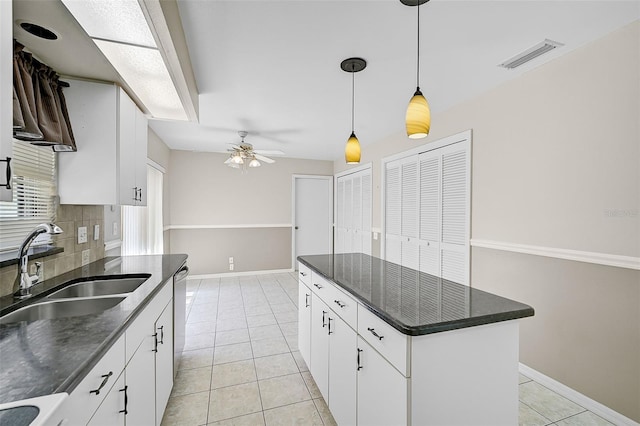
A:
(164, 360)
(111, 134)
(6, 94)
(319, 366)
(304, 322)
(382, 390)
(342, 371)
(112, 409)
(132, 382)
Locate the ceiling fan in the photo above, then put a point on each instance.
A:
(243, 154)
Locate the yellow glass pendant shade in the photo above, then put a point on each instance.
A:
(418, 118)
(352, 150)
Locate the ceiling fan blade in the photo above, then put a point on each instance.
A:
(268, 152)
(265, 159)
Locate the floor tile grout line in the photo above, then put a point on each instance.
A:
(255, 368)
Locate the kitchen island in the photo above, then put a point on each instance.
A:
(52, 356)
(389, 345)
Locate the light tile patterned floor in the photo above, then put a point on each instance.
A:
(241, 364)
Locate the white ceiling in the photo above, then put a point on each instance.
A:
(273, 67)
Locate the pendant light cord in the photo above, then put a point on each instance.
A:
(418, 55)
(353, 96)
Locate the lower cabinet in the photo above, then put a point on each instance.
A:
(319, 366)
(342, 371)
(304, 322)
(132, 382)
(382, 390)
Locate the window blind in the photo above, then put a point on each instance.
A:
(34, 191)
(142, 226)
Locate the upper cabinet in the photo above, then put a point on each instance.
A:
(111, 134)
(6, 96)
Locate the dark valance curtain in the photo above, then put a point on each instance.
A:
(39, 109)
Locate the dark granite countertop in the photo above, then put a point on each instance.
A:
(51, 356)
(413, 302)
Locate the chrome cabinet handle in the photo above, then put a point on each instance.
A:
(126, 400)
(323, 314)
(155, 344)
(329, 323)
(373, 331)
(339, 303)
(306, 300)
(318, 286)
(7, 185)
(358, 360)
(105, 379)
(303, 274)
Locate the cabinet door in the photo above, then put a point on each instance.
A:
(126, 149)
(342, 371)
(111, 411)
(319, 366)
(304, 322)
(140, 154)
(140, 380)
(382, 390)
(164, 360)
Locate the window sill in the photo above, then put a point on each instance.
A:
(11, 257)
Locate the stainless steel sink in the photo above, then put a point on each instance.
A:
(61, 309)
(102, 287)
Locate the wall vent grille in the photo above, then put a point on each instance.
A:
(530, 54)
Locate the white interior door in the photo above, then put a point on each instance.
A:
(312, 216)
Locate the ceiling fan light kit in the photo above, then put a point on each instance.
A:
(243, 155)
(418, 117)
(352, 149)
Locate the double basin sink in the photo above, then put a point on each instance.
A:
(78, 298)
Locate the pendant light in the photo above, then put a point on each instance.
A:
(418, 118)
(352, 149)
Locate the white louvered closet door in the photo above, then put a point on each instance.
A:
(409, 212)
(454, 251)
(393, 212)
(356, 236)
(340, 222)
(366, 212)
(430, 212)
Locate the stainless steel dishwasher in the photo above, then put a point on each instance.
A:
(179, 314)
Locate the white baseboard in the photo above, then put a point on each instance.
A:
(238, 274)
(580, 399)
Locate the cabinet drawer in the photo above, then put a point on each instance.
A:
(84, 400)
(342, 304)
(320, 286)
(142, 326)
(304, 273)
(388, 341)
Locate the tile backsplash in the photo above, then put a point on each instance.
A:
(69, 218)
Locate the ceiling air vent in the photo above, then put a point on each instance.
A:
(530, 54)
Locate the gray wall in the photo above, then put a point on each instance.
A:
(218, 212)
(555, 165)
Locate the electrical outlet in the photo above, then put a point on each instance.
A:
(115, 228)
(82, 234)
(375, 235)
(231, 266)
(231, 260)
(96, 232)
(86, 256)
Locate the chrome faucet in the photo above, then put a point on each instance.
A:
(26, 281)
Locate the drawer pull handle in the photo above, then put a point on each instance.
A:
(105, 379)
(373, 331)
(323, 314)
(359, 366)
(161, 328)
(303, 274)
(330, 332)
(306, 300)
(155, 342)
(339, 303)
(126, 400)
(318, 286)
